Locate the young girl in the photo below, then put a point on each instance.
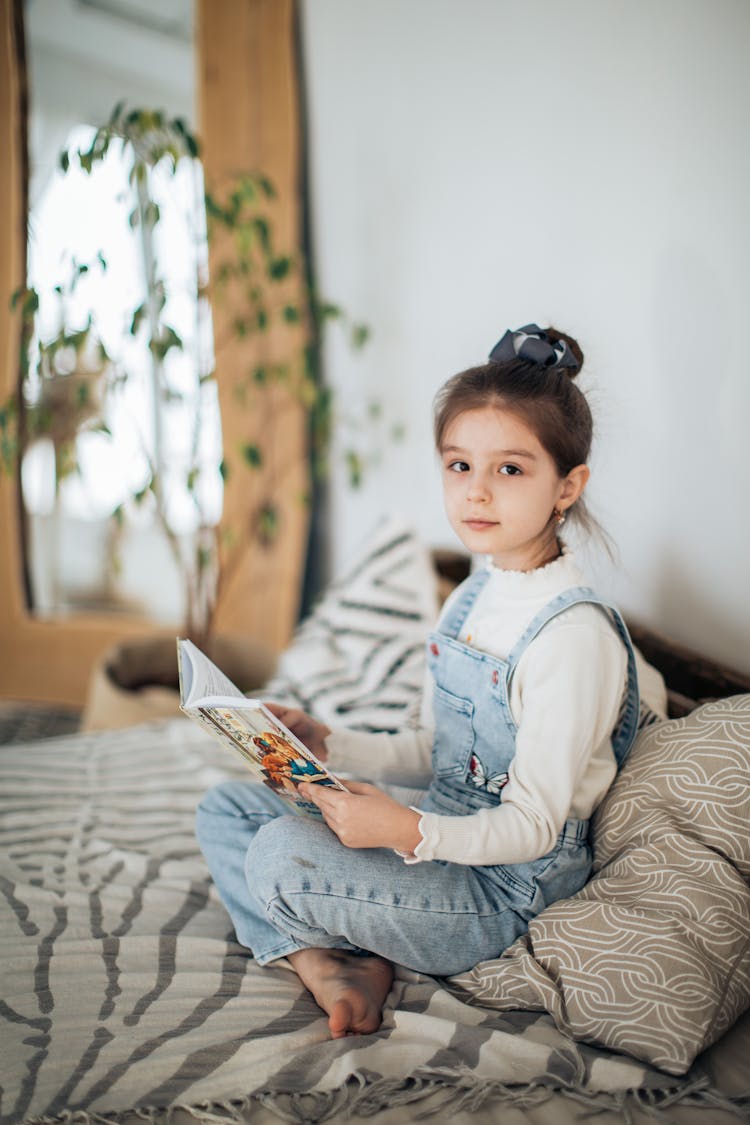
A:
(530, 707)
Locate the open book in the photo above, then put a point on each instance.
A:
(273, 753)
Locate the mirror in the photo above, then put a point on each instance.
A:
(104, 422)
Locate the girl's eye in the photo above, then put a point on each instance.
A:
(458, 467)
(510, 470)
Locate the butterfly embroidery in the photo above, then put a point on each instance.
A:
(478, 776)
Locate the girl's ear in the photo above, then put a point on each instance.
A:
(573, 485)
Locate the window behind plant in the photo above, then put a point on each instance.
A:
(117, 390)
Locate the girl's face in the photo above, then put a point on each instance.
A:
(501, 487)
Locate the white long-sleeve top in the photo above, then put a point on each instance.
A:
(565, 698)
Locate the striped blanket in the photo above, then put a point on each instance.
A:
(124, 989)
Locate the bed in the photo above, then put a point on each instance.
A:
(126, 997)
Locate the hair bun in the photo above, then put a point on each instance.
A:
(554, 335)
(543, 347)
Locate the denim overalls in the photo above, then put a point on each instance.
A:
(289, 883)
(475, 742)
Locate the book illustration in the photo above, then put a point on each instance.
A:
(274, 754)
(264, 746)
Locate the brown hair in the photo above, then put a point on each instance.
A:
(545, 398)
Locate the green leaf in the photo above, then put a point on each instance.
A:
(213, 210)
(30, 303)
(354, 467)
(151, 214)
(115, 114)
(171, 394)
(280, 372)
(164, 342)
(291, 314)
(279, 268)
(247, 189)
(268, 523)
(310, 362)
(360, 336)
(252, 455)
(263, 231)
(326, 310)
(223, 470)
(139, 315)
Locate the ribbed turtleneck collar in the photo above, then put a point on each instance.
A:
(549, 579)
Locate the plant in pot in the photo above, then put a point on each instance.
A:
(179, 483)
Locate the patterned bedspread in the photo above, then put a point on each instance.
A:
(123, 987)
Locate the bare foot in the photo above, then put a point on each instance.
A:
(351, 989)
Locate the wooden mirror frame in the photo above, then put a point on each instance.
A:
(248, 120)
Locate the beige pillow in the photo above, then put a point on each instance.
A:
(652, 957)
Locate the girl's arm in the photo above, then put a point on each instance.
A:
(404, 758)
(365, 817)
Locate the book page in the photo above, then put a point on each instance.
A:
(275, 756)
(199, 676)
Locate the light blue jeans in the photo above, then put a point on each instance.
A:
(288, 883)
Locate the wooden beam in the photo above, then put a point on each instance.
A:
(249, 122)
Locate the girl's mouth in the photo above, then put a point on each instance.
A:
(480, 525)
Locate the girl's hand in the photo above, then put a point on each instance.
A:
(365, 817)
(306, 729)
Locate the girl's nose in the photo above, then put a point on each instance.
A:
(477, 489)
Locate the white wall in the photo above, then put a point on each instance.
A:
(477, 164)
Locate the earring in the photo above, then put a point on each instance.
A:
(560, 517)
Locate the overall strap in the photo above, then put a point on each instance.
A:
(466, 595)
(627, 724)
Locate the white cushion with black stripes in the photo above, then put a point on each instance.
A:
(358, 660)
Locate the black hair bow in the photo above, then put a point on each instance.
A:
(534, 345)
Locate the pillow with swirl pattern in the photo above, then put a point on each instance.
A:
(652, 956)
